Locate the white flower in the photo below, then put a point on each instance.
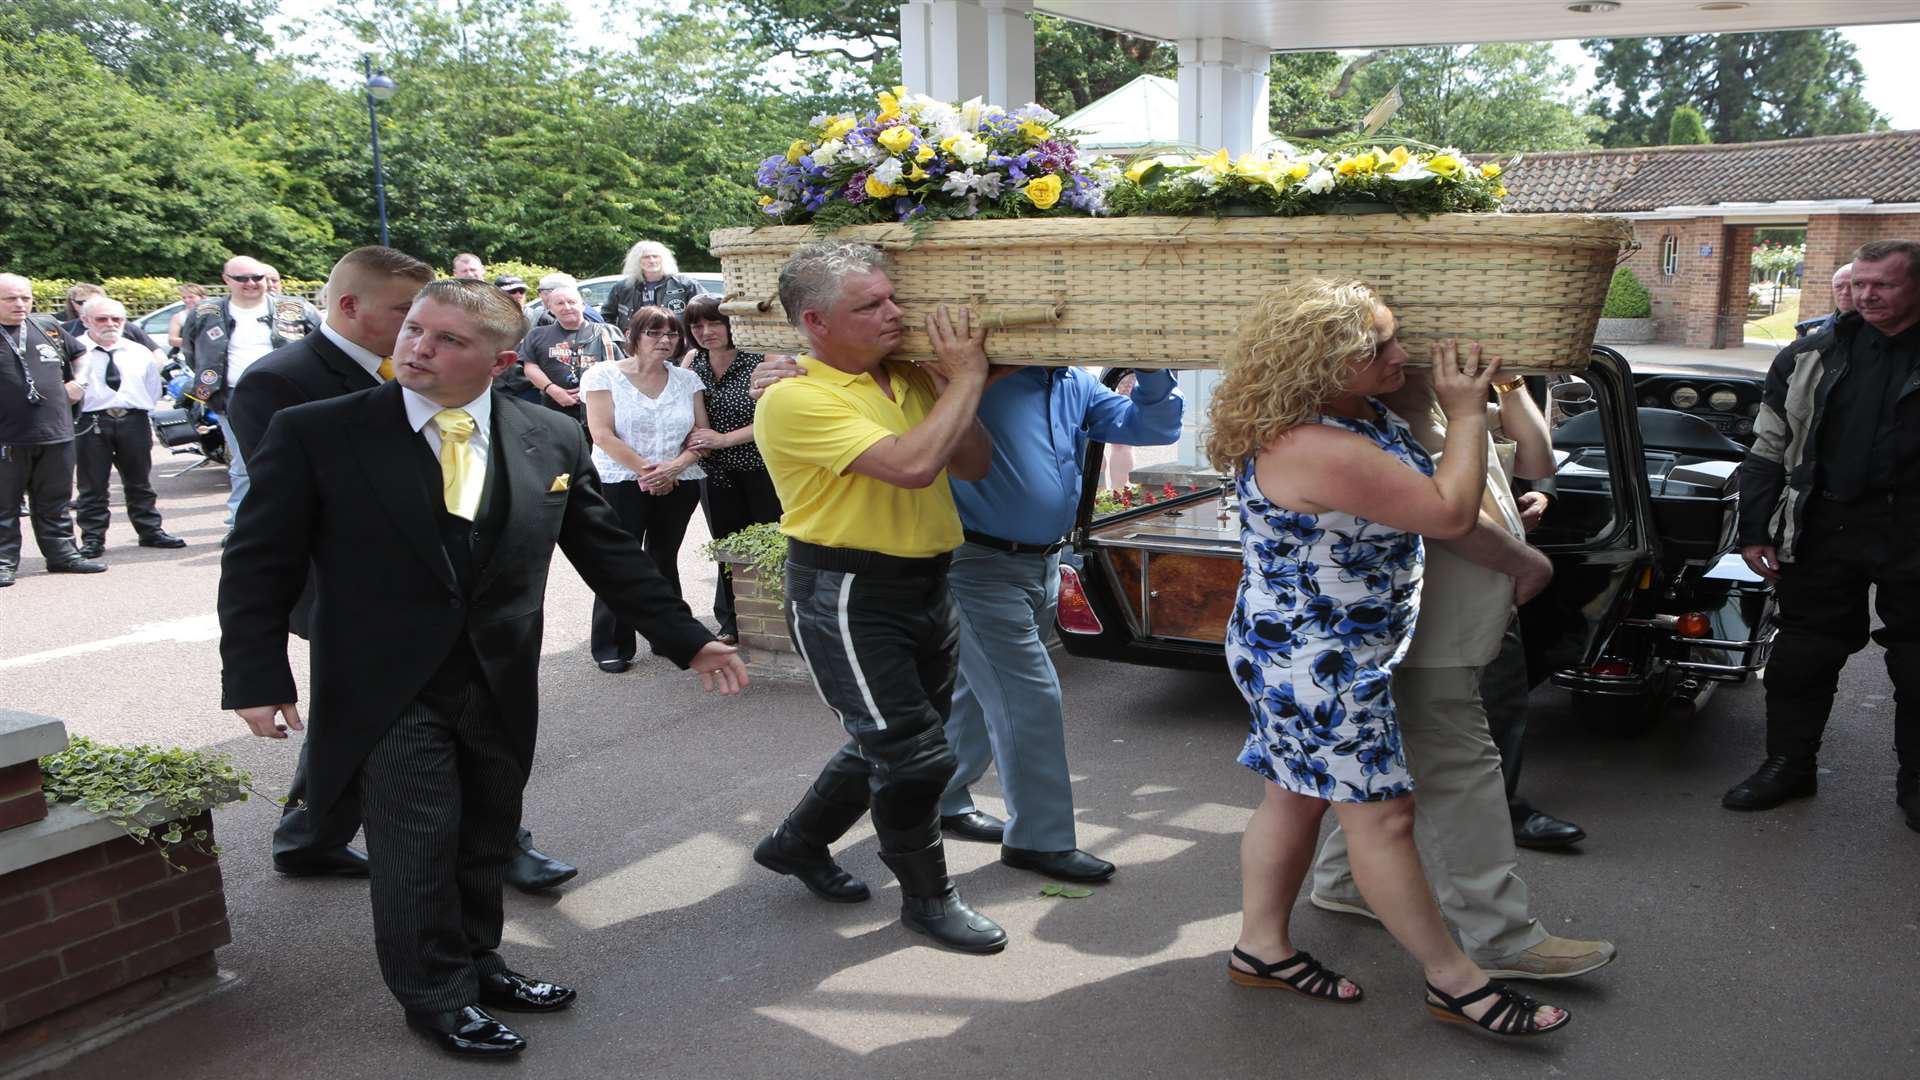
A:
(1036, 112)
(1319, 183)
(775, 209)
(866, 155)
(973, 113)
(1315, 158)
(969, 150)
(959, 183)
(989, 185)
(826, 152)
(819, 120)
(888, 171)
(1412, 170)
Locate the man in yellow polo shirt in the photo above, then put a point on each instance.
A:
(859, 453)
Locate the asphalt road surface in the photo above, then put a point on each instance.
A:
(1779, 945)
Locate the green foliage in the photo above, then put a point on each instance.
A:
(1687, 128)
(1300, 96)
(1626, 297)
(141, 295)
(1772, 258)
(763, 547)
(1747, 87)
(1484, 99)
(146, 788)
(531, 273)
(1076, 65)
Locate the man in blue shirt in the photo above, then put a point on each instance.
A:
(1006, 582)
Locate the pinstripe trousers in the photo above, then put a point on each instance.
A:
(441, 794)
(883, 652)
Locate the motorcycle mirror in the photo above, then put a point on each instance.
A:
(1571, 392)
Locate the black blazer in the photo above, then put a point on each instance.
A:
(335, 486)
(310, 369)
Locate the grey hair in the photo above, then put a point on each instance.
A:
(554, 281)
(812, 276)
(99, 303)
(668, 265)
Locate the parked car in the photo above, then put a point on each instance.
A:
(155, 322)
(1650, 605)
(596, 290)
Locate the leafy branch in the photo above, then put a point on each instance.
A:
(148, 791)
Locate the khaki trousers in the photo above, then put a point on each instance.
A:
(1460, 820)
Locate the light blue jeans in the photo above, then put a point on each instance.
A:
(1006, 701)
(237, 480)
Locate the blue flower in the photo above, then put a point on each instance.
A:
(1310, 772)
(1269, 636)
(1364, 621)
(1334, 670)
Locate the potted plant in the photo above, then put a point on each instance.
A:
(1627, 316)
(156, 794)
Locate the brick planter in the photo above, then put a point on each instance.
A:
(763, 627)
(97, 930)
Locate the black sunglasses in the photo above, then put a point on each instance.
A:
(246, 278)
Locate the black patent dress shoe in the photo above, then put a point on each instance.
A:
(1075, 865)
(1544, 832)
(1778, 779)
(340, 862)
(510, 991)
(1906, 792)
(468, 1032)
(532, 870)
(613, 667)
(974, 825)
(77, 566)
(7, 575)
(815, 868)
(91, 550)
(162, 539)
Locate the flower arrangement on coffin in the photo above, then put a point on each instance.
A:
(917, 159)
(1287, 180)
(1114, 500)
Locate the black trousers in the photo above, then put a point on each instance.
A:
(883, 653)
(441, 791)
(102, 444)
(303, 830)
(1845, 550)
(733, 501)
(659, 522)
(44, 475)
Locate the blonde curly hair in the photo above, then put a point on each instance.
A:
(1294, 352)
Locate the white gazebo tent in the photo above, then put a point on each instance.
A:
(958, 49)
(1143, 113)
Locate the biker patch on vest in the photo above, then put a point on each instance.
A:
(290, 318)
(48, 355)
(205, 385)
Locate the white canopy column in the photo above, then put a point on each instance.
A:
(959, 49)
(1009, 52)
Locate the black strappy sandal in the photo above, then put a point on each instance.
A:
(1511, 1017)
(1313, 980)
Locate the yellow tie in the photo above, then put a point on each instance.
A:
(386, 369)
(460, 479)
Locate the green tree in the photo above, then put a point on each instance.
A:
(1747, 87)
(1687, 128)
(1481, 98)
(158, 45)
(1076, 65)
(1301, 93)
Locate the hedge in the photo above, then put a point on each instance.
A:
(1626, 297)
(141, 294)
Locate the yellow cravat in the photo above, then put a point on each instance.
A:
(386, 369)
(460, 477)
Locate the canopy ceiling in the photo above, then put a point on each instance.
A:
(1289, 25)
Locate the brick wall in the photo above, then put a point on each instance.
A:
(763, 628)
(1686, 303)
(99, 920)
(21, 800)
(1831, 239)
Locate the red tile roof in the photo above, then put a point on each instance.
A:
(1883, 166)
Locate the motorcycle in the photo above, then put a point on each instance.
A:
(190, 427)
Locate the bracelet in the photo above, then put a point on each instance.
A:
(1510, 385)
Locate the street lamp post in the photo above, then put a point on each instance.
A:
(379, 88)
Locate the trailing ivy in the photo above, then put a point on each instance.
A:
(149, 791)
(763, 547)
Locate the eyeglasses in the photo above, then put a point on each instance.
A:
(660, 333)
(246, 279)
(516, 292)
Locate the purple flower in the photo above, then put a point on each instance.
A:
(856, 189)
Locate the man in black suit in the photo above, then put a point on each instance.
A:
(428, 510)
(371, 290)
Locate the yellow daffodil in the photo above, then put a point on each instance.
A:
(1255, 167)
(895, 139)
(1043, 191)
(797, 151)
(1490, 170)
(946, 144)
(1139, 168)
(1399, 156)
(877, 188)
(918, 174)
(1444, 165)
(1358, 165)
(1034, 132)
(924, 154)
(1218, 164)
(840, 126)
(1299, 170)
(1500, 192)
(889, 106)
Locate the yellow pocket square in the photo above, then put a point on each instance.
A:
(561, 483)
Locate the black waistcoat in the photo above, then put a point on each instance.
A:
(469, 545)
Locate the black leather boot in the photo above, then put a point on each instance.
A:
(1906, 792)
(1778, 779)
(799, 848)
(930, 904)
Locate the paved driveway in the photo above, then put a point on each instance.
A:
(1752, 946)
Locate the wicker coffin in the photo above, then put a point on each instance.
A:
(1168, 291)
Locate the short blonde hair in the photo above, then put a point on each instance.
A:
(1294, 353)
(498, 315)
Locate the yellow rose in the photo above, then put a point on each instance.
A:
(1034, 132)
(840, 126)
(797, 151)
(924, 154)
(1444, 164)
(899, 189)
(1489, 170)
(1043, 191)
(895, 139)
(878, 190)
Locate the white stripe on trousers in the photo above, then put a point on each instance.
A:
(853, 661)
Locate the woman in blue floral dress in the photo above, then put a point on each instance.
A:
(1334, 497)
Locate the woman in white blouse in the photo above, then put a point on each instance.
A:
(641, 409)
